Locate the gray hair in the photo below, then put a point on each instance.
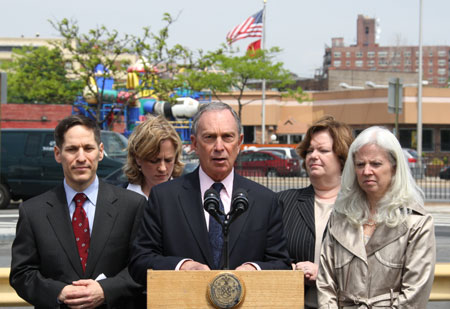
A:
(214, 106)
(403, 191)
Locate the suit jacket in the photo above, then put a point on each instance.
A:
(297, 207)
(44, 253)
(174, 228)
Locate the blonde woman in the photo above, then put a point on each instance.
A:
(154, 154)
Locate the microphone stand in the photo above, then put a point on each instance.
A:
(226, 229)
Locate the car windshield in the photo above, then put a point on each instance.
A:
(115, 144)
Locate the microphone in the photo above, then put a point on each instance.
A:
(211, 203)
(239, 204)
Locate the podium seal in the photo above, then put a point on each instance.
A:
(226, 290)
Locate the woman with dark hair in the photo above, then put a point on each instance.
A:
(379, 251)
(306, 211)
(154, 154)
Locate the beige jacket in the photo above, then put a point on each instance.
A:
(394, 270)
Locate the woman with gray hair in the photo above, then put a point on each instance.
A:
(380, 247)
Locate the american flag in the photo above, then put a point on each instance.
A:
(251, 27)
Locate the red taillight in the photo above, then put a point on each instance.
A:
(412, 160)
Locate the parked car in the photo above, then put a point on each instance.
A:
(286, 152)
(445, 173)
(411, 156)
(28, 166)
(266, 163)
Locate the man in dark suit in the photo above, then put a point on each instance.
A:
(176, 231)
(73, 242)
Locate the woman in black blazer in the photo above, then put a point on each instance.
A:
(306, 211)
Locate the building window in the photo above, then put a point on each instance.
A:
(430, 62)
(347, 63)
(367, 30)
(371, 63)
(370, 54)
(441, 62)
(442, 53)
(407, 53)
(408, 139)
(337, 63)
(442, 80)
(445, 139)
(382, 54)
(348, 54)
(430, 70)
(442, 71)
(359, 63)
(359, 54)
(407, 62)
(430, 54)
(337, 54)
(382, 62)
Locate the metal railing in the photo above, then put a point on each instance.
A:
(439, 292)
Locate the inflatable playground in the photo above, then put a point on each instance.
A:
(132, 106)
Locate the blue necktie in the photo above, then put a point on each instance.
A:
(215, 230)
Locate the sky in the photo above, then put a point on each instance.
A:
(300, 28)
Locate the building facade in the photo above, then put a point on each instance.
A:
(367, 55)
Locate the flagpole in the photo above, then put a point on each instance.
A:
(263, 86)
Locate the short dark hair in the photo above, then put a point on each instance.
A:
(75, 120)
(340, 133)
(214, 106)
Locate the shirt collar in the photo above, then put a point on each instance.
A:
(206, 182)
(91, 192)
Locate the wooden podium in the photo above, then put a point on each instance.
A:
(191, 289)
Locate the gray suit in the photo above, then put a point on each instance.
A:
(45, 256)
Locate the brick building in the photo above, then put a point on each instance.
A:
(369, 56)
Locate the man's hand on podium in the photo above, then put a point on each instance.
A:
(246, 266)
(193, 265)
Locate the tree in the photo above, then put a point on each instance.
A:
(162, 64)
(222, 71)
(99, 48)
(39, 75)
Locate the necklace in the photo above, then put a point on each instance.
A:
(370, 223)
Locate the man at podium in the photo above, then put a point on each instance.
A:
(178, 234)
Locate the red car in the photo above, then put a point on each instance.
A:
(266, 163)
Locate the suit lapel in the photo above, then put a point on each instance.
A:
(305, 208)
(347, 235)
(237, 225)
(191, 206)
(105, 216)
(383, 236)
(59, 218)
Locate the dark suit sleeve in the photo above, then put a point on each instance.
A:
(122, 285)
(275, 255)
(147, 251)
(25, 276)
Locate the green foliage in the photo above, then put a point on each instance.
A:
(161, 62)
(86, 51)
(223, 71)
(39, 75)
